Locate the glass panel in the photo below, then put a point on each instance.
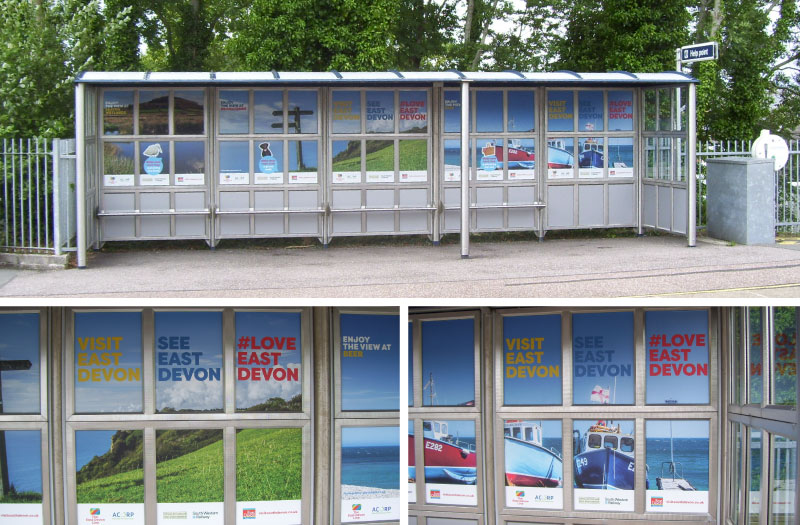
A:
(683, 166)
(590, 111)
(452, 111)
(370, 456)
(534, 469)
(520, 111)
(412, 467)
(413, 160)
(108, 362)
(19, 354)
(650, 110)
(21, 461)
(452, 160)
(620, 157)
(683, 108)
(188, 358)
(677, 457)
(605, 468)
(650, 153)
(118, 113)
(784, 356)
(532, 360)
(380, 112)
(521, 159)
(347, 112)
(451, 464)
(110, 474)
(189, 475)
(190, 163)
(370, 362)
(736, 355)
(626, 445)
(665, 158)
(736, 481)
(380, 161)
(591, 157)
(234, 112)
(756, 324)
(154, 167)
(665, 109)
(677, 357)
(489, 110)
(620, 111)
(268, 362)
(602, 353)
(448, 362)
(560, 158)
(346, 165)
(188, 112)
(268, 111)
(560, 111)
(302, 161)
(490, 159)
(754, 500)
(302, 112)
(118, 164)
(269, 474)
(234, 162)
(413, 112)
(268, 162)
(153, 112)
(784, 453)
(410, 365)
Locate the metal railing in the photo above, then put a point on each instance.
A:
(37, 195)
(787, 181)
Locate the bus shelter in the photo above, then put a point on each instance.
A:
(214, 156)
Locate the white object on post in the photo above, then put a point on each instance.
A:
(768, 146)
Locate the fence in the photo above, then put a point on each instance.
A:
(787, 181)
(37, 196)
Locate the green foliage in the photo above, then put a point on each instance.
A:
(126, 454)
(20, 497)
(189, 466)
(269, 464)
(278, 404)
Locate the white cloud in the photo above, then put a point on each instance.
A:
(190, 395)
(249, 393)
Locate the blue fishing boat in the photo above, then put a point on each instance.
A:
(604, 458)
(557, 155)
(528, 462)
(591, 155)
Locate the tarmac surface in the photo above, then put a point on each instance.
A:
(654, 267)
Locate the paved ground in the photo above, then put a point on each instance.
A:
(660, 266)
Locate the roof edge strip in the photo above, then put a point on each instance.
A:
(568, 72)
(457, 72)
(626, 73)
(336, 74)
(275, 75)
(515, 72)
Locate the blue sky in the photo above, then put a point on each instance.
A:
(341, 109)
(458, 428)
(372, 381)
(656, 428)
(24, 448)
(91, 443)
(309, 150)
(448, 353)
(537, 390)
(110, 396)
(616, 331)
(590, 110)
(370, 436)
(20, 341)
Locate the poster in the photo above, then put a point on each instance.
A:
(380, 161)
(189, 477)
(452, 160)
(620, 157)
(521, 111)
(413, 112)
(591, 157)
(560, 111)
(154, 170)
(785, 358)
(413, 160)
(490, 159)
(108, 362)
(590, 111)
(677, 457)
(268, 111)
(452, 111)
(604, 467)
(677, 357)
(534, 468)
(489, 111)
(302, 111)
(346, 112)
(190, 162)
(118, 112)
(20, 348)
(118, 164)
(532, 368)
(620, 110)
(189, 111)
(560, 158)
(346, 168)
(380, 111)
(269, 486)
(448, 362)
(234, 111)
(268, 362)
(153, 112)
(412, 465)
(234, 162)
(109, 477)
(602, 357)
(188, 353)
(302, 162)
(450, 462)
(370, 478)
(268, 162)
(521, 159)
(370, 362)
(22, 459)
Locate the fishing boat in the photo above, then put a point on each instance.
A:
(447, 458)
(528, 462)
(591, 155)
(604, 458)
(557, 155)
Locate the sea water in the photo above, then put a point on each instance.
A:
(377, 467)
(691, 453)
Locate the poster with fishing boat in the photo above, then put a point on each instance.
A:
(521, 159)
(534, 467)
(560, 157)
(603, 465)
(450, 459)
(591, 157)
(21, 486)
(678, 466)
(370, 478)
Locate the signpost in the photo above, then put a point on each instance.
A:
(698, 53)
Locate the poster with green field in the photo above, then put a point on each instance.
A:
(189, 476)
(109, 476)
(269, 473)
(21, 480)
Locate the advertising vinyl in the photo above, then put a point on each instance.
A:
(111, 513)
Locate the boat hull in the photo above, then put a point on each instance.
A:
(446, 463)
(591, 159)
(558, 158)
(604, 468)
(529, 465)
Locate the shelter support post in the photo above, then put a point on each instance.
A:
(80, 167)
(465, 172)
(691, 143)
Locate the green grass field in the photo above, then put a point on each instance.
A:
(127, 487)
(380, 157)
(269, 464)
(194, 477)
(20, 497)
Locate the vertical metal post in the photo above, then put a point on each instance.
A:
(56, 197)
(80, 172)
(465, 173)
(691, 152)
